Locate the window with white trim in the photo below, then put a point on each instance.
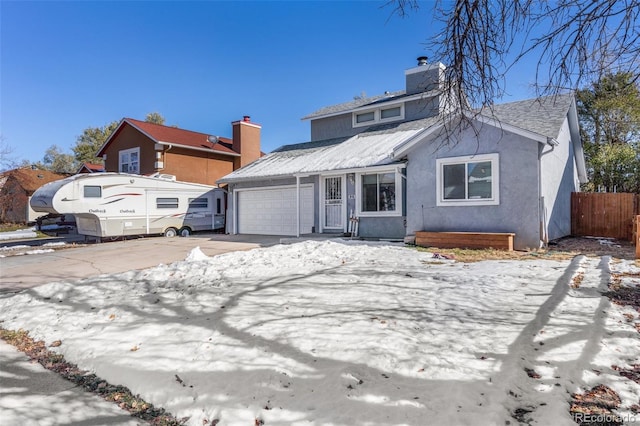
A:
(469, 180)
(379, 194)
(129, 161)
(378, 115)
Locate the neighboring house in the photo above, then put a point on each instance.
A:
(390, 161)
(16, 188)
(146, 148)
(90, 168)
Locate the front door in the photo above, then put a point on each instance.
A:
(333, 203)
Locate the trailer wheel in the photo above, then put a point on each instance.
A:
(170, 232)
(185, 232)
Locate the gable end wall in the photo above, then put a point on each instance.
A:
(518, 210)
(126, 139)
(559, 179)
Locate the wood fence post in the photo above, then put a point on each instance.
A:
(637, 236)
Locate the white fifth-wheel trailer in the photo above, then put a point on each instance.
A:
(117, 204)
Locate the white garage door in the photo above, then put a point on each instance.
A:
(272, 211)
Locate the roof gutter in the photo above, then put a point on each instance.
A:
(380, 167)
(171, 144)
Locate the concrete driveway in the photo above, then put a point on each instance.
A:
(20, 272)
(35, 396)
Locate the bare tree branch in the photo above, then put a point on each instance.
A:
(572, 42)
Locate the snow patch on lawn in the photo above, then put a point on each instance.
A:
(339, 333)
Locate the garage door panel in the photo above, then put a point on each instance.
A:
(273, 211)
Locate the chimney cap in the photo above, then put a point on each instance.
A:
(246, 118)
(422, 60)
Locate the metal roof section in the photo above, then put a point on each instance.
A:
(370, 148)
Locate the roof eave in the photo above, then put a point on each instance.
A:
(375, 104)
(106, 143)
(231, 154)
(511, 128)
(402, 148)
(371, 168)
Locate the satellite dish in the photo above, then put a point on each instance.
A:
(213, 139)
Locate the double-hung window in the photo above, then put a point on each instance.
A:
(470, 180)
(379, 194)
(129, 161)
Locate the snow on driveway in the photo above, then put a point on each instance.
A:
(342, 333)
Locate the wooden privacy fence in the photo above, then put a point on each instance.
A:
(601, 214)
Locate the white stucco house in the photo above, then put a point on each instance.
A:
(388, 161)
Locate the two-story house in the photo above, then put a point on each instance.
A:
(146, 148)
(392, 162)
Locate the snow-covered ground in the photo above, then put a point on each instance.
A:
(344, 333)
(18, 234)
(22, 249)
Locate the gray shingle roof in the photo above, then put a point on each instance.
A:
(375, 145)
(356, 103)
(543, 116)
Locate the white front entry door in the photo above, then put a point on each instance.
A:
(334, 202)
(272, 211)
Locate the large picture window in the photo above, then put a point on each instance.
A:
(130, 161)
(468, 180)
(378, 192)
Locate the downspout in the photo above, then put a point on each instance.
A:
(235, 211)
(146, 209)
(544, 237)
(297, 206)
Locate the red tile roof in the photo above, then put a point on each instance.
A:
(92, 168)
(177, 136)
(30, 179)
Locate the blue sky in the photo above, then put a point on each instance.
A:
(66, 66)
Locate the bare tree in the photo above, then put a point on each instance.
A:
(6, 152)
(572, 42)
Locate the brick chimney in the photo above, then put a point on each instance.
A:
(246, 141)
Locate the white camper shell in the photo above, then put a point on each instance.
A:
(119, 204)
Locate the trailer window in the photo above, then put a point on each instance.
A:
(92, 191)
(167, 203)
(198, 203)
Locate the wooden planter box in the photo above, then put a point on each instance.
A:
(496, 240)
